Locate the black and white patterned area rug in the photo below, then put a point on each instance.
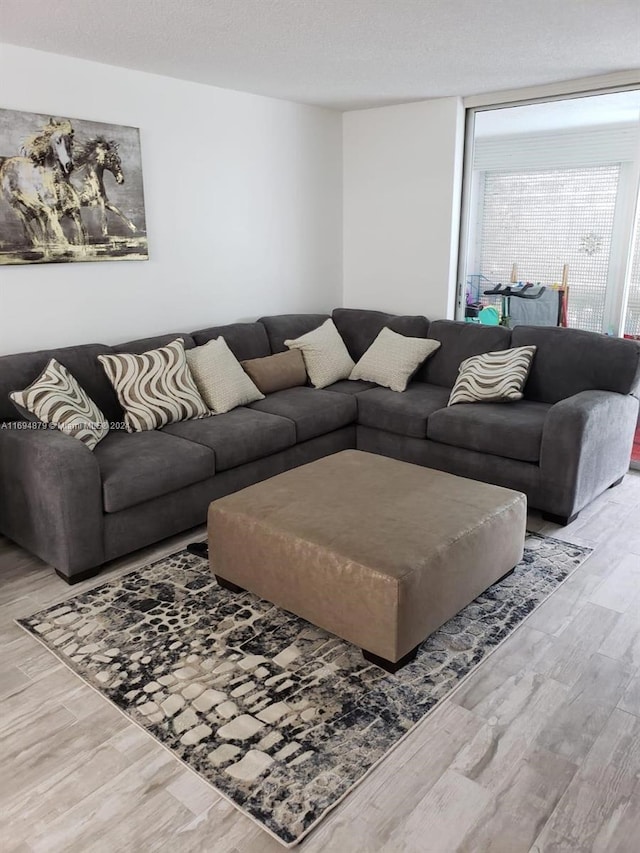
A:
(280, 717)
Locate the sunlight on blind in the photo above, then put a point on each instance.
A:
(632, 320)
(543, 219)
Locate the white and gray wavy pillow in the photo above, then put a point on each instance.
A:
(497, 377)
(325, 356)
(154, 388)
(220, 378)
(392, 359)
(56, 398)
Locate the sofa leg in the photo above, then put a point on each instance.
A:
(225, 584)
(389, 665)
(80, 576)
(562, 520)
(506, 575)
(617, 482)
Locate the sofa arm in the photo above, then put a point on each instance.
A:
(51, 498)
(586, 446)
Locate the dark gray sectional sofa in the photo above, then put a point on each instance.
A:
(565, 443)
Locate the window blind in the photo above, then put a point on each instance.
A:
(559, 149)
(541, 219)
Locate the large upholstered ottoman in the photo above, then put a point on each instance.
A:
(377, 551)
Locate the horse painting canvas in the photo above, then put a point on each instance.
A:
(70, 190)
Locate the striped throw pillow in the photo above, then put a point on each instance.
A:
(154, 388)
(493, 377)
(56, 398)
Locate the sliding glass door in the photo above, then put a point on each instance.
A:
(632, 318)
(550, 197)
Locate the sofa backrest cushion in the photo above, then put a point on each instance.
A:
(282, 327)
(245, 340)
(568, 361)
(141, 345)
(359, 328)
(18, 371)
(459, 341)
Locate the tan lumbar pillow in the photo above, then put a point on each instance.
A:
(277, 372)
(220, 378)
(493, 377)
(154, 388)
(326, 358)
(392, 359)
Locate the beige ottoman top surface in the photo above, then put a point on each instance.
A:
(371, 509)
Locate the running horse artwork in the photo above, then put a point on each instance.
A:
(63, 194)
(36, 185)
(92, 160)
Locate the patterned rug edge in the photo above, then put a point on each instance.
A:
(166, 748)
(430, 713)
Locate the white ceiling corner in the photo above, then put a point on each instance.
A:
(342, 54)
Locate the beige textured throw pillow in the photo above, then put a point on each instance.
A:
(154, 388)
(56, 398)
(392, 359)
(325, 356)
(497, 377)
(220, 377)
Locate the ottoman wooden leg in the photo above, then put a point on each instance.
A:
(225, 584)
(389, 665)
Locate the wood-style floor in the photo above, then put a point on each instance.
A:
(539, 751)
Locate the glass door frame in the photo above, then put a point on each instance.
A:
(626, 215)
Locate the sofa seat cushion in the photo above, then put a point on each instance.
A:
(405, 413)
(239, 436)
(136, 467)
(513, 430)
(351, 386)
(314, 412)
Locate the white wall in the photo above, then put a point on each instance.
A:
(402, 187)
(243, 205)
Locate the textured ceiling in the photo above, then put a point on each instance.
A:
(340, 53)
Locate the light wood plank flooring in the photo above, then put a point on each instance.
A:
(538, 751)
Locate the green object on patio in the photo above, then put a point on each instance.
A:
(489, 316)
